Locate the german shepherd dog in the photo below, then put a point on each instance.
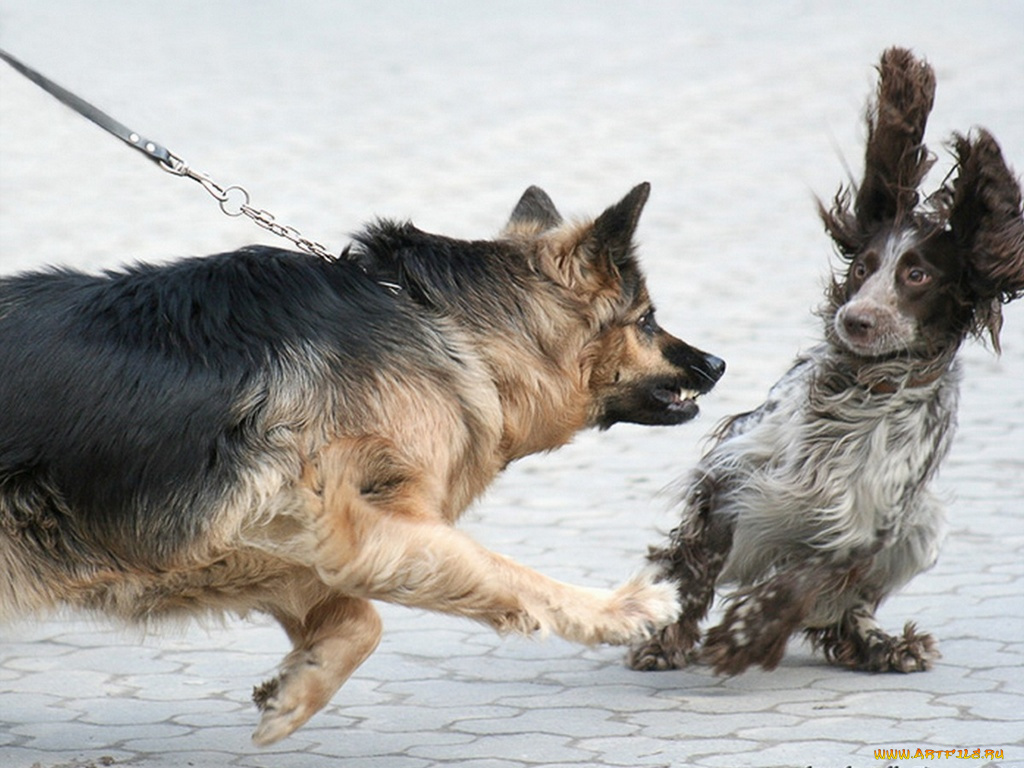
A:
(266, 431)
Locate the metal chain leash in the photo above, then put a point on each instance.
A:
(234, 201)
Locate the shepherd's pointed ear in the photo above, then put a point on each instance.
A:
(535, 209)
(613, 230)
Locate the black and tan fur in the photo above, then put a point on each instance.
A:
(265, 431)
(815, 507)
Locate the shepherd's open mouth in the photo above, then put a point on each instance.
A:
(682, 400)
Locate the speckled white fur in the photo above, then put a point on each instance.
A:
(808, 472)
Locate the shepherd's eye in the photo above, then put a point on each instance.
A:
(647, 323)
(860, 270)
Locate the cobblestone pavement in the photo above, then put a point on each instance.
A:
(332, 113)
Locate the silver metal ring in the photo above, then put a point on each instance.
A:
(241, 200)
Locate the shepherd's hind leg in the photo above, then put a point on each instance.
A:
(330, 642)
(859, 642)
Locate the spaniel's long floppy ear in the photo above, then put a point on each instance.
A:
(895, 158)
(988, 224)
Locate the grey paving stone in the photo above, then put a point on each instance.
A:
(71, 736)
(684, 726)
(795, 753)
(575, 722)
(387, 718)
(974, 732)
(32, 758)
(38, 707)
(529, 748)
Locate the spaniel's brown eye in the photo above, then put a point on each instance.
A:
(865, 264)
(917, 276)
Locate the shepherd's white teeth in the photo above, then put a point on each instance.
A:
(688, 394)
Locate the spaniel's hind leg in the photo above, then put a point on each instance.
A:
(692, 561)
(330, 642)
(857, 641)
(761, 618)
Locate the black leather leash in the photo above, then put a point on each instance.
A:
(233, 199)
(149, 148)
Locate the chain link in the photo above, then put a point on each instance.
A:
(173, 164)
(234, 201)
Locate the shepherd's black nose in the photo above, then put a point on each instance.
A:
(715, 366)
(702, 370)
(710, 369)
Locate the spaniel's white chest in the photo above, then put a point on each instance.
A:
(808, 472)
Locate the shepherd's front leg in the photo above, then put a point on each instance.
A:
(433, 566)
(400, 550)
